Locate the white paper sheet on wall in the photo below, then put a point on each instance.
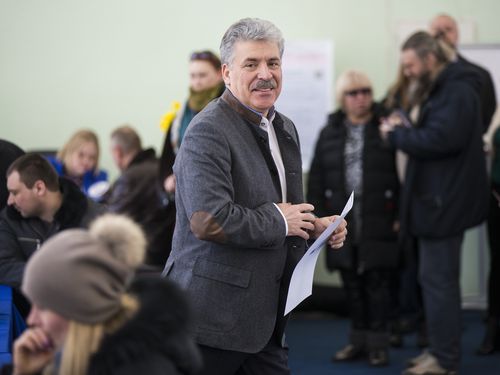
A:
(306, 97)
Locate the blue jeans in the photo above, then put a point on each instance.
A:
(440, 280)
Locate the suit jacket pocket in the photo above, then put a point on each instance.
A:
(218, 292)
(222, 272)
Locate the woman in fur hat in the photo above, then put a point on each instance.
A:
(86, 320)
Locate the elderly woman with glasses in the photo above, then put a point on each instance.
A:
(351, 156)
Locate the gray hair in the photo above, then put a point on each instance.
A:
(127, 139)
(249, 29)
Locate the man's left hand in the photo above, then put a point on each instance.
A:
(337, 239)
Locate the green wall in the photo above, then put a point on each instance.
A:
(67, 64)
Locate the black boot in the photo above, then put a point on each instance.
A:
(396, 337)
(488, 345)
(354, 350)
(378, 357)
(378, 344)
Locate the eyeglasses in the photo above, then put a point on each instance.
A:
(363, 91)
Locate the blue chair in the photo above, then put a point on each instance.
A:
(11, 324)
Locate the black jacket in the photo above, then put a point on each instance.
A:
(445, 189)
(379, 203)
(156, 341)
(8, 153)
(138, 194)
(486, 91)
(20, 237)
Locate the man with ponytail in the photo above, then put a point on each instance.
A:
(439, 202)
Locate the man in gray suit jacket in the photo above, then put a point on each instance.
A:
(242, 224)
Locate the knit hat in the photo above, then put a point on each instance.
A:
(82, 274)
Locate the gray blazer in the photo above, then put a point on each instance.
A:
(229, 248)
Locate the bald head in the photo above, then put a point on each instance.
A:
(445, 26)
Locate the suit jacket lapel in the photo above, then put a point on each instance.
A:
(262, 140)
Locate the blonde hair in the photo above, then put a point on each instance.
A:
(83, 340)
(75, 142)
(399, 94)
(349, 80)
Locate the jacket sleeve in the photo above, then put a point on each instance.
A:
(204, 185)
(12, 262)
(448, 125)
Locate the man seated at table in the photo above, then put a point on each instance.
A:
(39, 205)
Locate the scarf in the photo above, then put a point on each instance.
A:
(198, 100)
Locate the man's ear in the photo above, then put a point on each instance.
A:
(225, 74)
(39, 188)
(116, 152)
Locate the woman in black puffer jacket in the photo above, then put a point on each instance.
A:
(350, 155)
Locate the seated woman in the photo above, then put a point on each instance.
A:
(78, 161)
(86, 320)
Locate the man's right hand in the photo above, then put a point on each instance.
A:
(298, 218)
(33, 350)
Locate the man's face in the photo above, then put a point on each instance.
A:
(413, 66)
(203, 75)
(117, 155)
(254, 75)
(24, 199)
(447, 27)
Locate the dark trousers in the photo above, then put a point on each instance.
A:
(409, 291)
(369, 299)
(272, 360)
(494, 243)
(440, 281)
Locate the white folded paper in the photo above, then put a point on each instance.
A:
(302, 278)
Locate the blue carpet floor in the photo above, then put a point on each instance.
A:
(314, 337)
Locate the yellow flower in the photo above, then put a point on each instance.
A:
(168, 118)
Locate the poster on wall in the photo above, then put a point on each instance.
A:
(306, 97)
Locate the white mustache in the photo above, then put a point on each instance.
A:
(261, 84)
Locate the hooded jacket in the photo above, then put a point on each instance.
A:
(156, 341)
(446, 190)
(487, 97)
